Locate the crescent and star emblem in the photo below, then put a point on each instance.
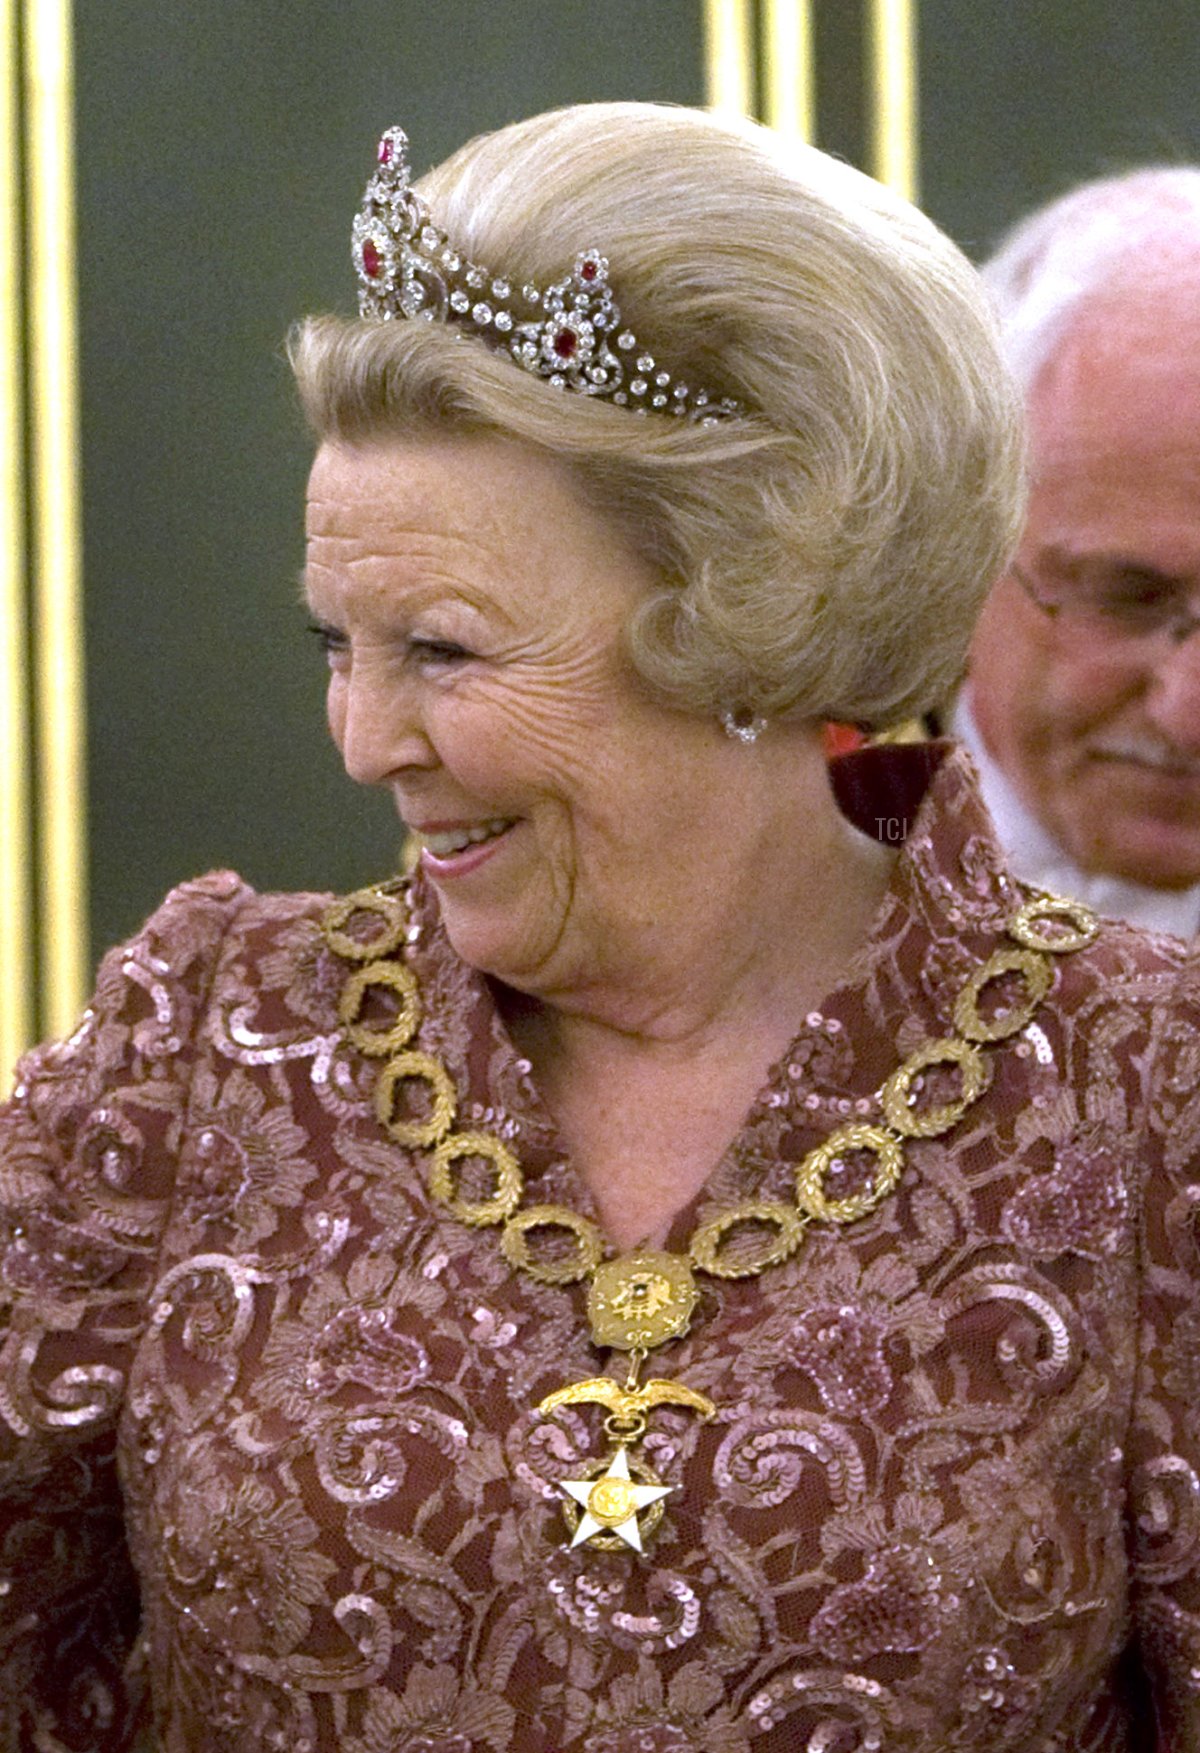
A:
(611, 1503)
(612, 1499)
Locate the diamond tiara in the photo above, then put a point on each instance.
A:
(570, 334)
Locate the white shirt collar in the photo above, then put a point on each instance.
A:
(1037, 858)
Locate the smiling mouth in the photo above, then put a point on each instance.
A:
(448, 841)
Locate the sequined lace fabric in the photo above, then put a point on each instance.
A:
(272, 1478)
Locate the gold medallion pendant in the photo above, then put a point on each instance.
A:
(635, 1303)
(641, 1300)
(646, 1298)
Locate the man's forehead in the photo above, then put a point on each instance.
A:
(1139, 322)
(1124, 379)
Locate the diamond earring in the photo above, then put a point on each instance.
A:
(740, 722)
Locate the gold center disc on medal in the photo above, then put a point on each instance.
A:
(612, 1501)
(641, 1300)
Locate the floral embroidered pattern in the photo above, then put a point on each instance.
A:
(257, 1389)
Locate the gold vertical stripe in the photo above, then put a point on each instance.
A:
(729, 56)
(16, 877)
(789, 81)
(894, 94)
(55, 520)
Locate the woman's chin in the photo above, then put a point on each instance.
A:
(498, 944)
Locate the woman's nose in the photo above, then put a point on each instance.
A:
(377, 726)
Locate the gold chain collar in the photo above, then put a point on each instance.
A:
(647, 1297)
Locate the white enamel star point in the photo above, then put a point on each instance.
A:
(611, 1502)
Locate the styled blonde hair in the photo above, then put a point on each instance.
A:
(825, 554)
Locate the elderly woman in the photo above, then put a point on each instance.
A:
(711, 1261)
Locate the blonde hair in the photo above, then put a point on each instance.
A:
(823, 555)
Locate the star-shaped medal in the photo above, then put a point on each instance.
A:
(611, 1503)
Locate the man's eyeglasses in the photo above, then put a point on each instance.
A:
(1130, 603)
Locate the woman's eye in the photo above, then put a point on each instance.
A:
(331, 642)
(435, 651)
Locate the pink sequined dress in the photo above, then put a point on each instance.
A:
(272, 1475)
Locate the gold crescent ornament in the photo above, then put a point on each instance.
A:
(626, 1404)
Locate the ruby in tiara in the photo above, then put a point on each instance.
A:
(570, 334)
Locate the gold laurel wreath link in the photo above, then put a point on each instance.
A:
(1023, 926)
(810, 1176)
(1037, 972)
(422, 1068)
(510, 1183)
(588, 1241)
(393, 977)
(934, 1121)
(704, 1249)
(389, 908)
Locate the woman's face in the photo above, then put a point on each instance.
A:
(473, 604)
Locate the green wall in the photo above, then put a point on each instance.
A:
(1023, 98)
(223, 145)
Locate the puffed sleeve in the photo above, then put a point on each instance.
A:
(87, 1149)
(1164, 1451)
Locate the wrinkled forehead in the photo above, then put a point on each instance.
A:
(1122, 388)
